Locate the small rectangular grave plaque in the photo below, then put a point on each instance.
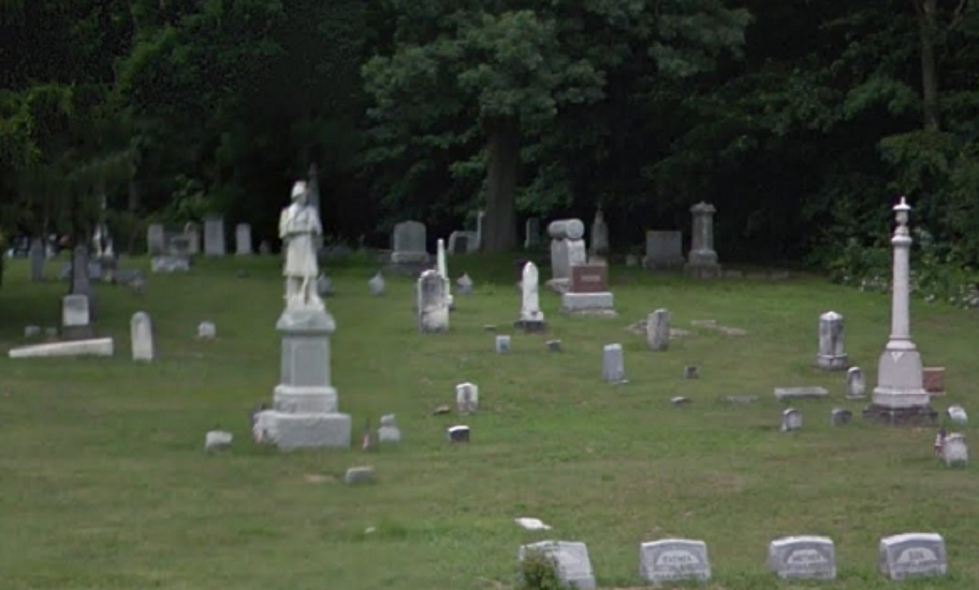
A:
(806, 557)
(571, 559)
(913, 555)
(671, 560)
(589, 278)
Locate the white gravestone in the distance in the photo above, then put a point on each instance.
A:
(441, 265)
(671, 560)
(912, 555)
(855, 383)
(74, 311)
(791, 420)
(156, 239)
(433, 309)
(955, 452)
(831, 356)
(141, 332)
(467, 398)
(571, 561)
(243, 239)
(599, 234)
(409, 243)
(531, 317)
(613, 364)
(803, 557)
(658, 330)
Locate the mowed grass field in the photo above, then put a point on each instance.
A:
(104, 483)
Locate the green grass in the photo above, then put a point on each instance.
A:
(104, 483)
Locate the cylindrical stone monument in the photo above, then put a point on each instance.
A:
(702, 259)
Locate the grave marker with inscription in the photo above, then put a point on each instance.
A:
(913, 555)
(671, 560)
(803, 557)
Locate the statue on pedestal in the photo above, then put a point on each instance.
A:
(299, 227)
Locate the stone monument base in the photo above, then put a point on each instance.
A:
(304, 400)
(832, 363)
(86, 332)
(302, 431)
(702, 271)
(530, 325)
(603, 303)
(912, 416)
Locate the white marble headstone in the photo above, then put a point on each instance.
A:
(467, 398)
(141, 331)
(613, 363)
(658, 330)
(671, 560)
(75, 311)
(571, 561)
(912, 555)
(803, 557)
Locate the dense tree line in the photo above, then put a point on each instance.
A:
(800, 120)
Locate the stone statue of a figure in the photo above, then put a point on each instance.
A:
(299, 225)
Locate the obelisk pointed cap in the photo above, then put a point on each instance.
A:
(903, 205)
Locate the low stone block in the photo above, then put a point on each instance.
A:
(955, 452)
(790, 393)
(840, 417)
(855, 384)
(502, 343)
(389, 431)
(458, 434)
(803, 557)
(31, 332)
(570, 559)
(791, 420)
(553, 345)
(691, 373)
(588, 302)
(297, 431)
(292, 399)
(207, 331)
(95, 347)
(912, 555)
(933, 380)
(680, 401)
(672, 560)
(168, 264)
(359, 475)
(217, 440)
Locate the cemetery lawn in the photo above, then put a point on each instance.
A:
(104, 483)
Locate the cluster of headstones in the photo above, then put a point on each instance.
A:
(172, 250)
(909, 555)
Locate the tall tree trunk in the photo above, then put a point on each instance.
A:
(503, 161)
(928, 26)
(134, 195)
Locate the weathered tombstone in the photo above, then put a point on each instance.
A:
(613, 364)
(376, 285)
(702, 259)
(957, 414)
(532, 233)
(358, 476)
(37, 260)
(467, 398)
(955, 452)
(912, 555)
(599, 234)
(933, 380)
(791, 420)
(803, 557)
(465, 284)
(217, 440)
(207, 331)
(839, 416)
(790, 393)
(658, 330)
(900, 396)
(433, 309)
(324, 286)
(388, 431)
(441, 265)
(458, 434)
(214, 236)
(674, 560)
(502, 343)
(570, 559)
(156, 240)
(831, 356)
(855, 387)
(531, 317)
(664, 250)
(553, 345)
(409, 243)
(192, 235)
(463, 242)
(141, 332)
(567, 248)
(588, 291)
(75, 317)
(243, 239)
(691, 372)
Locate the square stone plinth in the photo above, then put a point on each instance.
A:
(305, 431)
(913, 416)
(588, 302)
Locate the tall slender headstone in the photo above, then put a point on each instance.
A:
(702, 259)
(599, 234)
(141, 333)
(831, 355)
(567, 250)
(37, 260)
(156, 239)
(479, 229)
(532, 234)
(305, 408)
(192, 233)
(214, 236)
(531, 317)
(442, 267)
(658, 330)
(900, 396)
(613, 364)
(243, 239)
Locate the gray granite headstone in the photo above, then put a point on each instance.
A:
(912, 555)
(855, 384)
(156, 240)
(409, 243)
(433, 305)
(840, 417)
(243, 239)
(214, 236)
(464, 284)
(702, 259)
(74, 311)
(803, 557)
(831, 356)
(37, 256)
(673, 560)
(613, 364)
(324, 286)
(388, 431)
(658, 330)
(553, 345)
(570, 559)
(359, 475)
(664, 250)
(791, 420)
(458, 434)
